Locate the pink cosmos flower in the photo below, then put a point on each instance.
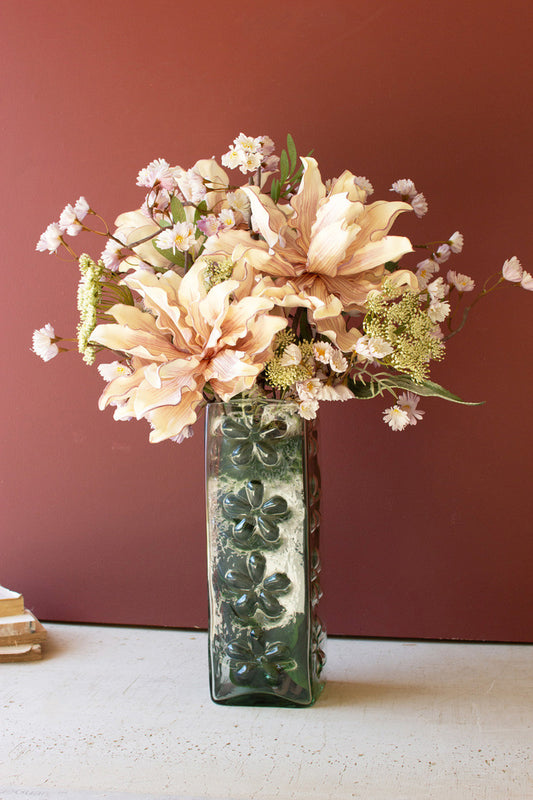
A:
(463, 283)
(408, 402)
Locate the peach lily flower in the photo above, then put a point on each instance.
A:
(187, 337)
(327, 247)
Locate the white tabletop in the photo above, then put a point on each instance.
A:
(125, 714)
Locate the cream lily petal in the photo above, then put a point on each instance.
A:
(378, 220)
(328, 247)
(239, 316)
(213, 310)
(260, 335)
(148, 397)
(346, 183)
(375, 254)
(268, 218)
(335, 329)
(157, 293)
(119, 388)
(135, 342)
(230, 364)
(134, 317)
(228, 390)
(306, 202)
(335, 208)
(169, 421)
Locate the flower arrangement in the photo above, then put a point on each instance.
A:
(280, 285)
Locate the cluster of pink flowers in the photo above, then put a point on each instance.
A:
(70, 222)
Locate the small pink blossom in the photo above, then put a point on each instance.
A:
(405, 188)
(408, 402)
(420, 204)
(158, 172)
(209, 225)
(527, 281)
(113, 254)
(442, 253)
(512, 270)
(364, 184)
(463, 283)
(186, 433)
(51, 238)
(456, 242)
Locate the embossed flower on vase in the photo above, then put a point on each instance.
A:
(253, 517)
(253, 441)
(255, 660)
(254, 590)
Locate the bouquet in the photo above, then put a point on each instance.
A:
(276, 284)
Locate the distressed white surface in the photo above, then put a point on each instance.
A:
(125, 714)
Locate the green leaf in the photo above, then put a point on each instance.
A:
(175, 258)
(283, 166)
(177, 210)
(275, 190)
(291, 149)
(200, 211)
(428, 389)
(391, 266)
(366, 391)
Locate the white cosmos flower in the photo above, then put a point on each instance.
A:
(292, 356)
(309, 389)
(438, 289)
(512, 270)
(322, 351)
(308, 408)
(179, 237)
(226, 218)
(112, 370)
(396, 417)
(438, 310)
(43, 344)
(373, 347)
(338, 392)
(337, 361)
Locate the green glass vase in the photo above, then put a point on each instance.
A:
(263, 491)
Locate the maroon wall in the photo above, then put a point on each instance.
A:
(426, 533)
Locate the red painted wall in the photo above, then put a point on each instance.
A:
(426, 533)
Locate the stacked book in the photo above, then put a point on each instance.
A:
(21, 633)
